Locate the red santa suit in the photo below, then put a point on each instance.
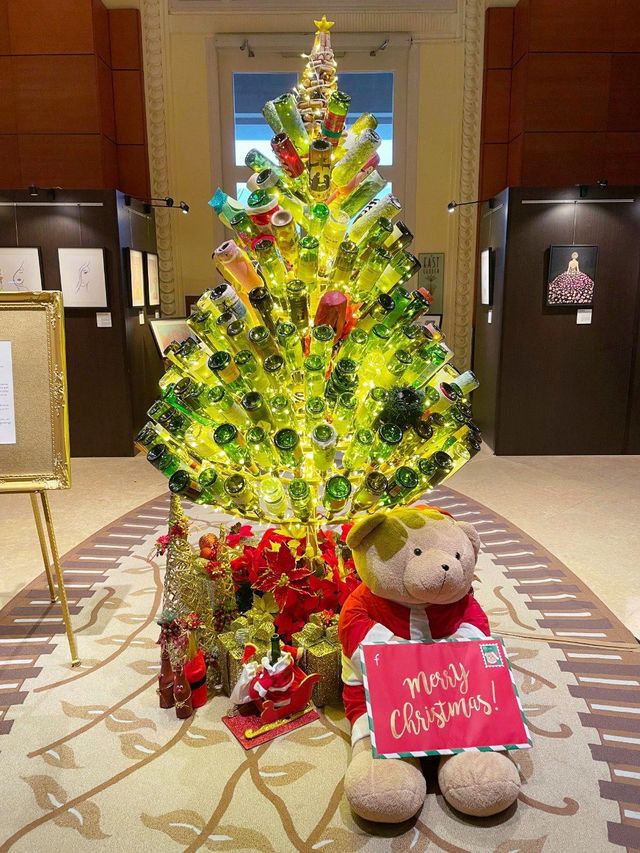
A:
(367, 618)
(259, 682)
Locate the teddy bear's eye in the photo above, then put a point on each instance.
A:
(457, 555)
(417, 551)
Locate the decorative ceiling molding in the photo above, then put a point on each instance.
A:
(468, 190)
(153, 16)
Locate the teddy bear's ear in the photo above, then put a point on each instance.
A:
(363, 527)
(472, 535)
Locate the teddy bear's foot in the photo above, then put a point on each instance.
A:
(479, 783)
(383, 790)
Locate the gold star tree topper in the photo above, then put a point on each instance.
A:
(324, 26)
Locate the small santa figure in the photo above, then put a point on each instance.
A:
(275, 678)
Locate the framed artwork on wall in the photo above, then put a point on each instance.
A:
(168, 330)
(431, 277)
(571, 276)
(20, 270)
(152, 279)
(82, 278)
(486, 277)
(134, 262)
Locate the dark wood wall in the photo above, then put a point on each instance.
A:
(548, 385)
(561, 93)
(72, 110)
(112, 372)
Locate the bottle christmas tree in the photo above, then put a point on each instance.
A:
(314, 388)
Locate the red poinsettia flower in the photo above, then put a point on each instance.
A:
(243, 568)
(162, 543)
(237, 533)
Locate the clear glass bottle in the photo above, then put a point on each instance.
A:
(251, 371)
(222, 407)
(371, 490)
(324, 439)
(226, 371)
(322, 338)
(273, 268)
(387, 442)
(262, 450)
(344, 413)
(314, 411)
(281, 410)
(284, 230)
(204, 325)
(273, 497)
(356, 457)
(314, 372)
(364, 147)
(241, 493)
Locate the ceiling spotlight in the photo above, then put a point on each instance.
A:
(184, 207)
(452, 206)
(168, 201)
(33, 190)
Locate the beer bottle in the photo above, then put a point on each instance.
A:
(298, 299)
(335, 117)
(261, 300)
(389, 207)
(320, 169)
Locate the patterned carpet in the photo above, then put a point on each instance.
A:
(91, 763)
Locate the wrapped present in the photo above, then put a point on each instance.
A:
(253, 627)
(322, 654)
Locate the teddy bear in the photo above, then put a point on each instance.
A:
(416, 566)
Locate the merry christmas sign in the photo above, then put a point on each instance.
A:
(441, 698)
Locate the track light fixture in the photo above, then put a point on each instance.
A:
(246, 46)
(153, 201)
(454, 205)
(382, 46)
(33, 190)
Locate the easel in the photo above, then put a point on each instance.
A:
(61, 592)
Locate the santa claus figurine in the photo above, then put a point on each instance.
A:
(275, 678)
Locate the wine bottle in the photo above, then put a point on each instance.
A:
(371, 490)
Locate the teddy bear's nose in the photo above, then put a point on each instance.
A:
(446, 568)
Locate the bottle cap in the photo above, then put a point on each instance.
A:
(281, 218)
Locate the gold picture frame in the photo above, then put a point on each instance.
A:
(38, 457)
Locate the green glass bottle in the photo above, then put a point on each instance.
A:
(251, 371)
(396, 366)
(204, 325)
(274, 654)
(343, 265)
(273, 497)
(343, 378)
(308, 261)
(298, 299)
(232, 444)
(354, 345)
(426, 363)
(261, 449)
(281, 410)
(465, 383)
(375, 312)
(175, 423)
(389, 207)
(146, 437)
(261, 300)
(416, 437)
(257, 410)
(246, 230)
(399, 239)
(375, 239)
(403, 481)
(291, 346)
(241, 493)
(275, 372)
(227, 372)
(273, 267)
(366, 190)
(181, 483)
(333, 235)
(349, 165)
(388, 441)
(271, 117)
(314, 371)
(164, 459)
(235, 334)
(301, 499)
(287, 443)
(222, 407)
(377, 346)
(344, 413)
(364, 287)
(408, 336)
(419, 304)
(199, 441)
(336, 494)
(402, 267)
(324, 439)
(356, 457)
(371, 407)
(443, 467)
(286, 108)
(317, 219)
(257, 161)
(212, 487)
(401, 299)
(263, 343)
(314, 412)
(335, 116)
(322, 338)
(371, 490)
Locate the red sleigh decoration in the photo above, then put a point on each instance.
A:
(275, 714)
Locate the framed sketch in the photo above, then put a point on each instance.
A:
(486, 277)
(20, 270)
(34, 427)
(431, 277)
(152, 279)
(168, 330)
(82, 277)
(135, 273)
(433, 318)
(571, 276)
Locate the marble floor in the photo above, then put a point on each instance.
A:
(585, 510)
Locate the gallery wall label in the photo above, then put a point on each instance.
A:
(7, 404)
(431, 276)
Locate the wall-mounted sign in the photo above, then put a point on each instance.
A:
(431, 276)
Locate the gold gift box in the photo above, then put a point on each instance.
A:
(322, 654)
(253, 627)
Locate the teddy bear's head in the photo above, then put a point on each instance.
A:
(414, 556)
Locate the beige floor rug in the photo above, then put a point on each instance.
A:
(89, 761)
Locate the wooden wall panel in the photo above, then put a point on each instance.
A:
(128, 89)
(126, 47)
(514, 165)
(5, 44)
(624, 95)
(494, 169)
(497, 97)
(567, 92)
(622, 160)
(499, 37)
(521, 29)
(133, 170)
(47, 27)
(626, 34)
(7, 97)
(518, 97)
(9, 162)
(571, 25)
(56, 94)
(65, 160)
(551, 159)
(101, 40)
(109, 164)
(105, 93)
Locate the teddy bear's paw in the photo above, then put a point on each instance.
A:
(384, 790)
(479, 783)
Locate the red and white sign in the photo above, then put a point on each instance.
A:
(440, 698)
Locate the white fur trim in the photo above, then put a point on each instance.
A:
(360, 729)
(467, 631)
(419, 624)
(352, 667)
